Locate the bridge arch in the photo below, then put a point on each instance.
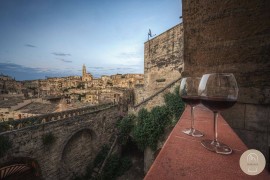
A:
(20, 168)
(77, 152)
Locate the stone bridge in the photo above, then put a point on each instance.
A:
(79, 135)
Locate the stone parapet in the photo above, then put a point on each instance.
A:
(183, 157)
(51, 117)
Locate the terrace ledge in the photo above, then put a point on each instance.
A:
(183, 156)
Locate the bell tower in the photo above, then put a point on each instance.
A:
(86, 76)
(83, 71)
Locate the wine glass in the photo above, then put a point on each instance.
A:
(218, 91)
(189, 94)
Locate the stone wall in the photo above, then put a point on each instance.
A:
(234, 36)
(163, 59)
(139, 94)
(78, 140)
(157, 99)
(163, 65)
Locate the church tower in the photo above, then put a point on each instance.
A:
(83, 71)
(86, 76)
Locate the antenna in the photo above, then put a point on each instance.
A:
(150, 34)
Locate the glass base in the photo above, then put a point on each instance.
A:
(216, 146)
(192, 132)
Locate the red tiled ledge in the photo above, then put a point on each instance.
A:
(183, 156)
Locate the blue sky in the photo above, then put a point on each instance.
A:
(41, 38)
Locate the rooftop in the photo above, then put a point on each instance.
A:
(183, 157)
(11, 101)
(39, 108)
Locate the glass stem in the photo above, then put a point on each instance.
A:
(192, 117)
(215, 126)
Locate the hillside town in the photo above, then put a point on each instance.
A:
(200, 110)
(21, 99)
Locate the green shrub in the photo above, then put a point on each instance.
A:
(48, 139)
(5, 145)
(101, 155)
(150, 126)
(140, 137)
(174, 104)
(161, 115)
(142, 115)
(124, 126)
(115, 167)
(139, 132)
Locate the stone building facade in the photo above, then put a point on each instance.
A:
(234, 36)
(8, 85)
(163, 63)
(163, 59)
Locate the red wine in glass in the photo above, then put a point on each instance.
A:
(189, 94)
(218, 91)
(191, 100)
(216, 104)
